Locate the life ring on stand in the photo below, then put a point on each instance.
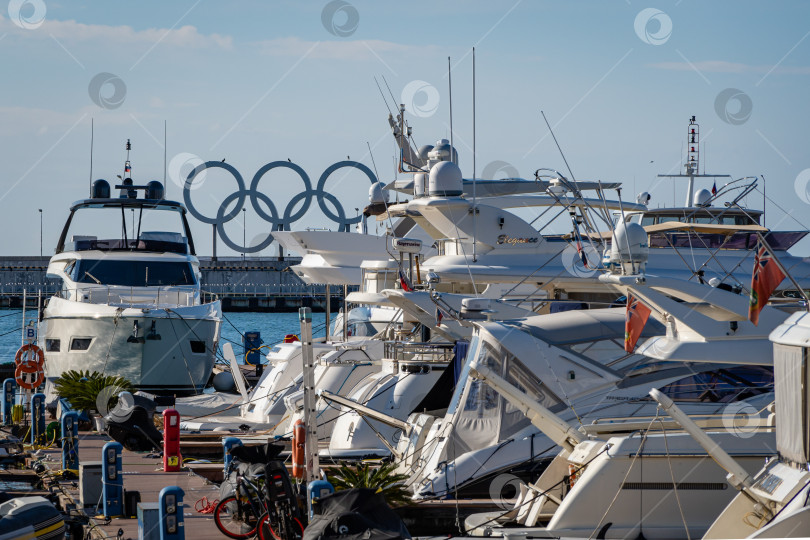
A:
(23, 355)
(299, 440)
(291, 338)
(26, 370)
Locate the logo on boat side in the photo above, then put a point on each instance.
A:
(512, 240)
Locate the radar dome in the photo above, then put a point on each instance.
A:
(629, 245)
(377, 194)
(154, 190)
(445, 180)
(702, 197)
(101, 189)
(419, 184)
(643, 198)
(424, 151)
(443, 152)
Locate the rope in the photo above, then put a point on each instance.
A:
(204, 506)
(674, 484)
(629, 470)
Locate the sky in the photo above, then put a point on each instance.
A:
(254, 82)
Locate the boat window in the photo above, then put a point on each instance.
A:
(133, 273)
(361, 329)
(722, 385)
(80, 344)
(528, 383)
(480, 396)
(197, 347)
(53, 345)
(647, 220)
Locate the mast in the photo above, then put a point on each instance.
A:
(691, 167)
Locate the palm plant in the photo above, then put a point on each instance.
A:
(381, 478)
(85, 389)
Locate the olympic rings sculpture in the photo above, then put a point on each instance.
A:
(289, 216)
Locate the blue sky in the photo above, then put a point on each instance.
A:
(259, 81)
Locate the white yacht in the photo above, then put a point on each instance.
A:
(130, 304)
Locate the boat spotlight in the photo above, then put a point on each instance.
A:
(134, 338)
(153, 335)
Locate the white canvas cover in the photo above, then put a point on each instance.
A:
(790, 383)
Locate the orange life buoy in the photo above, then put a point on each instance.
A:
(24, 372)
(299, 440)
(23, 356)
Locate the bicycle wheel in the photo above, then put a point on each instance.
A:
(274, 531)
(235, 519)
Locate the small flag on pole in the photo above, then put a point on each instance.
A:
(439, 316)
(634, 321)
(714, 189)
(404, 281)
(767, 275)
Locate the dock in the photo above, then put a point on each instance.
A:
(143, 472)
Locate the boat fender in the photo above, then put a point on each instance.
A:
(299, 440)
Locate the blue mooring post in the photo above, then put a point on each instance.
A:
(251, 342)
(227, 444)
(9, 387)
(170, 512)
(112, 480)
(38, 419)
(70, 441)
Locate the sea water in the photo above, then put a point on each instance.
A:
(272, 326)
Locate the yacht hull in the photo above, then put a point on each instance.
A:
(177, 357)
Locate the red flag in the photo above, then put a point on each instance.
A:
(439, 316)
(714, 188)
(634, 322)
(766, 277)
(403, 281)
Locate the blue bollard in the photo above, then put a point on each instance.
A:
(70, 441)
(112, 480)
(170, 511)
(9, 387)
(38, 419)
(227, 444)
(251, 342)
(318, 489)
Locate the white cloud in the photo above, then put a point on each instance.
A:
(341, 50)
(721, 66)
(71, 31)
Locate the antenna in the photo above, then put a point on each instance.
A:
(389, 91)
(91, 156)
(558, 146)
(165, 186)
(383, 96)
(475, 207)
(450, 91)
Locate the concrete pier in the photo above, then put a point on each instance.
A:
(242, 284)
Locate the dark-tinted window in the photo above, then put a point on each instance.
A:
(197, 347)
(53, 345)
(133, 273)
(80, 344)
(722, 385)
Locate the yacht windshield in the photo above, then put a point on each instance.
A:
(133, 273)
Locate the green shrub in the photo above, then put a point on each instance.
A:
(381, 478)
(82, 389)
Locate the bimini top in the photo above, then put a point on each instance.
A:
(135, 229)
(161, 204)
